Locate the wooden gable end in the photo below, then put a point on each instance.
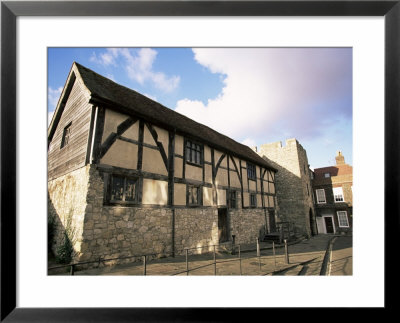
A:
(69, 130)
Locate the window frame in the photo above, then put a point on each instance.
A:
(66, 135)
(188, 188)
(125, 179)
(317, 197)
(347, 219)
(253, 205)
(335, 194)
(198, 148)
(251, 168)
(230, 199)
(327, 175)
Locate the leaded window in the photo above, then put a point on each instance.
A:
(251, 171)
(253, 200)
(232, 199)
(194, 153)
(123, 189)
(66, 135)
(193, 195)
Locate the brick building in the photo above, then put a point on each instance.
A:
(333, 196)
(293, 184)
(129, 176)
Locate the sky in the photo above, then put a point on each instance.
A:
(253, 95)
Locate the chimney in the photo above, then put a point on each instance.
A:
(339, 158)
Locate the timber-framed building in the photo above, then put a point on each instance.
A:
(133, 177)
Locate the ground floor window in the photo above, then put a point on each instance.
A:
(232, 199)
(193, 195)
(123, 189)
(253, 200)
(342, 219)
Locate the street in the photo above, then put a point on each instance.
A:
(319, 255)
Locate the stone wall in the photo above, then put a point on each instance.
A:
(104, 231)
(118, 231)
(293, 183)
(195, 228)
(67, 205)
(247, 224)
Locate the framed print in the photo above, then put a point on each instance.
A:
(29, 28)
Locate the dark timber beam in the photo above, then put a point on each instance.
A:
(159, 144)
(114, 136)
(219, 163)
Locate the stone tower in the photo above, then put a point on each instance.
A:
(293, 184)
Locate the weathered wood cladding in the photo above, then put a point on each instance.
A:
(77, 112)
(153, 153)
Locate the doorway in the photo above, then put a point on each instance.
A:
(223, 235)
(271, 218)
(328, 220)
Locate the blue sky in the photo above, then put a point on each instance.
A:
(253, 95)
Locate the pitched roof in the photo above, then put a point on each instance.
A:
(128, 101)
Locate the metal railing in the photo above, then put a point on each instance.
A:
(235, 254)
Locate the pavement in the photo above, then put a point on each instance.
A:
(341, 259)
(320, 255)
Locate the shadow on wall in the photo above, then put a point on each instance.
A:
(60, 236)
(291, 197)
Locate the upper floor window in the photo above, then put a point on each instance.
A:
(193, 195)
(251, 171)
(194, 153)
(253, 200)
(327, 175)
(66, 135)
(338, 194)
(342, 219)
(320, 196)
(123, 189)
(232, 199)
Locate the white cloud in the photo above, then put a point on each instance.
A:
(111, 77)
(52, 97)
(139, 66)
(276, 89)
(49, 117)
(106, 58)
(249, 142)
(150, 96)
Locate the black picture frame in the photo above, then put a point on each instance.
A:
(10, 10)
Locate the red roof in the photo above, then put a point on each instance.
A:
(334, 170)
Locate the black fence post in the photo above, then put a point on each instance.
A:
(215, 263)
(286, 252)
(187, 262)
(72, 270)
(233, 244)
(240, 262)
(258, 253)
(273, 250)
(144, 265)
